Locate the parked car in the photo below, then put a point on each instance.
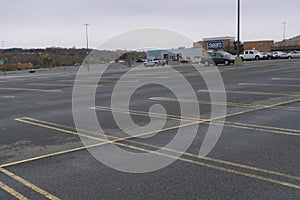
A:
(184, 61)
(154, 62)
(294, 54)
(140, 60)
(252, 55)
(279, 55)
(219, 57)
(266, 55)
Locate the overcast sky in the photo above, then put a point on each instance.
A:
(45, 23)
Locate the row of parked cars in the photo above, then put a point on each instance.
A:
(271, 55)
(222, 57)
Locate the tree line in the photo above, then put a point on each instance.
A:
(55, 56)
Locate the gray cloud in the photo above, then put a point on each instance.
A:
(35, 23)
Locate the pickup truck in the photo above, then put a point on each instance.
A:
(252, 55)
(154, 62)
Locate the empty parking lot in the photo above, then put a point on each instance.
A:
(255, 157)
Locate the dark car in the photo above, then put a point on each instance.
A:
(219, 57)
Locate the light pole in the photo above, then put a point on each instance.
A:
(284, 23)
(4, 68)
(238, 29)
(238, 59)
(87, 43)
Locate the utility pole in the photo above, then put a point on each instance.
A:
(87, 43)
(284, 23)
(4, 68)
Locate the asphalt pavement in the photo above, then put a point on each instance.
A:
(50, 152)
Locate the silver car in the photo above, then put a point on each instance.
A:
(294, 54)
(279, 55)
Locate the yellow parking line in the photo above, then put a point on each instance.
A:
(143, 113)
(257, 128)
(6, 97)
(24, 120)
(49, 155)
(224, 103)
(56, 129)
(271, 85)
(210, 165)
(30, 90)
(251, 93)
(219, 117)
(29, 185)
(49, 84)
(290, 132)
(154, 146)
(39, 77)
(286, 79)
(266, 127)
(116, 81)
(67, 85)
(12, 191)
(235, 104)
(231, 171)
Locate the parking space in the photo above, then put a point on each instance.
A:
(256, 156)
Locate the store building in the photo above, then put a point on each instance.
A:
(216, 43)
(287, 45)
(262, 45)
(191, 54)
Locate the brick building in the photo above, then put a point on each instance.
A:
(287, 45)
(216, 43)
(262, 45)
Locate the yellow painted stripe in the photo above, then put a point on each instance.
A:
(286, 79)
(30, 89)
(251, 93)
(143, 113)
(6, 97)
(163, 148)
(231, 171)
(12, 191)
(271, 85)
(29, 185)
(267, 127)
(216, 118)
(98, 134)
(49, 155)
(257, 129)
(58, 129)
(207, 102)
(210, 121)
(228, 124)
(235, 104)
(49, 84)
(67, 85)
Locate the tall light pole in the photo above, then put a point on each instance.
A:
(284, 23)
(238, 59)
(238, 28)
(4, 68)
(87, 43)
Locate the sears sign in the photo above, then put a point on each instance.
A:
(215, 45)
